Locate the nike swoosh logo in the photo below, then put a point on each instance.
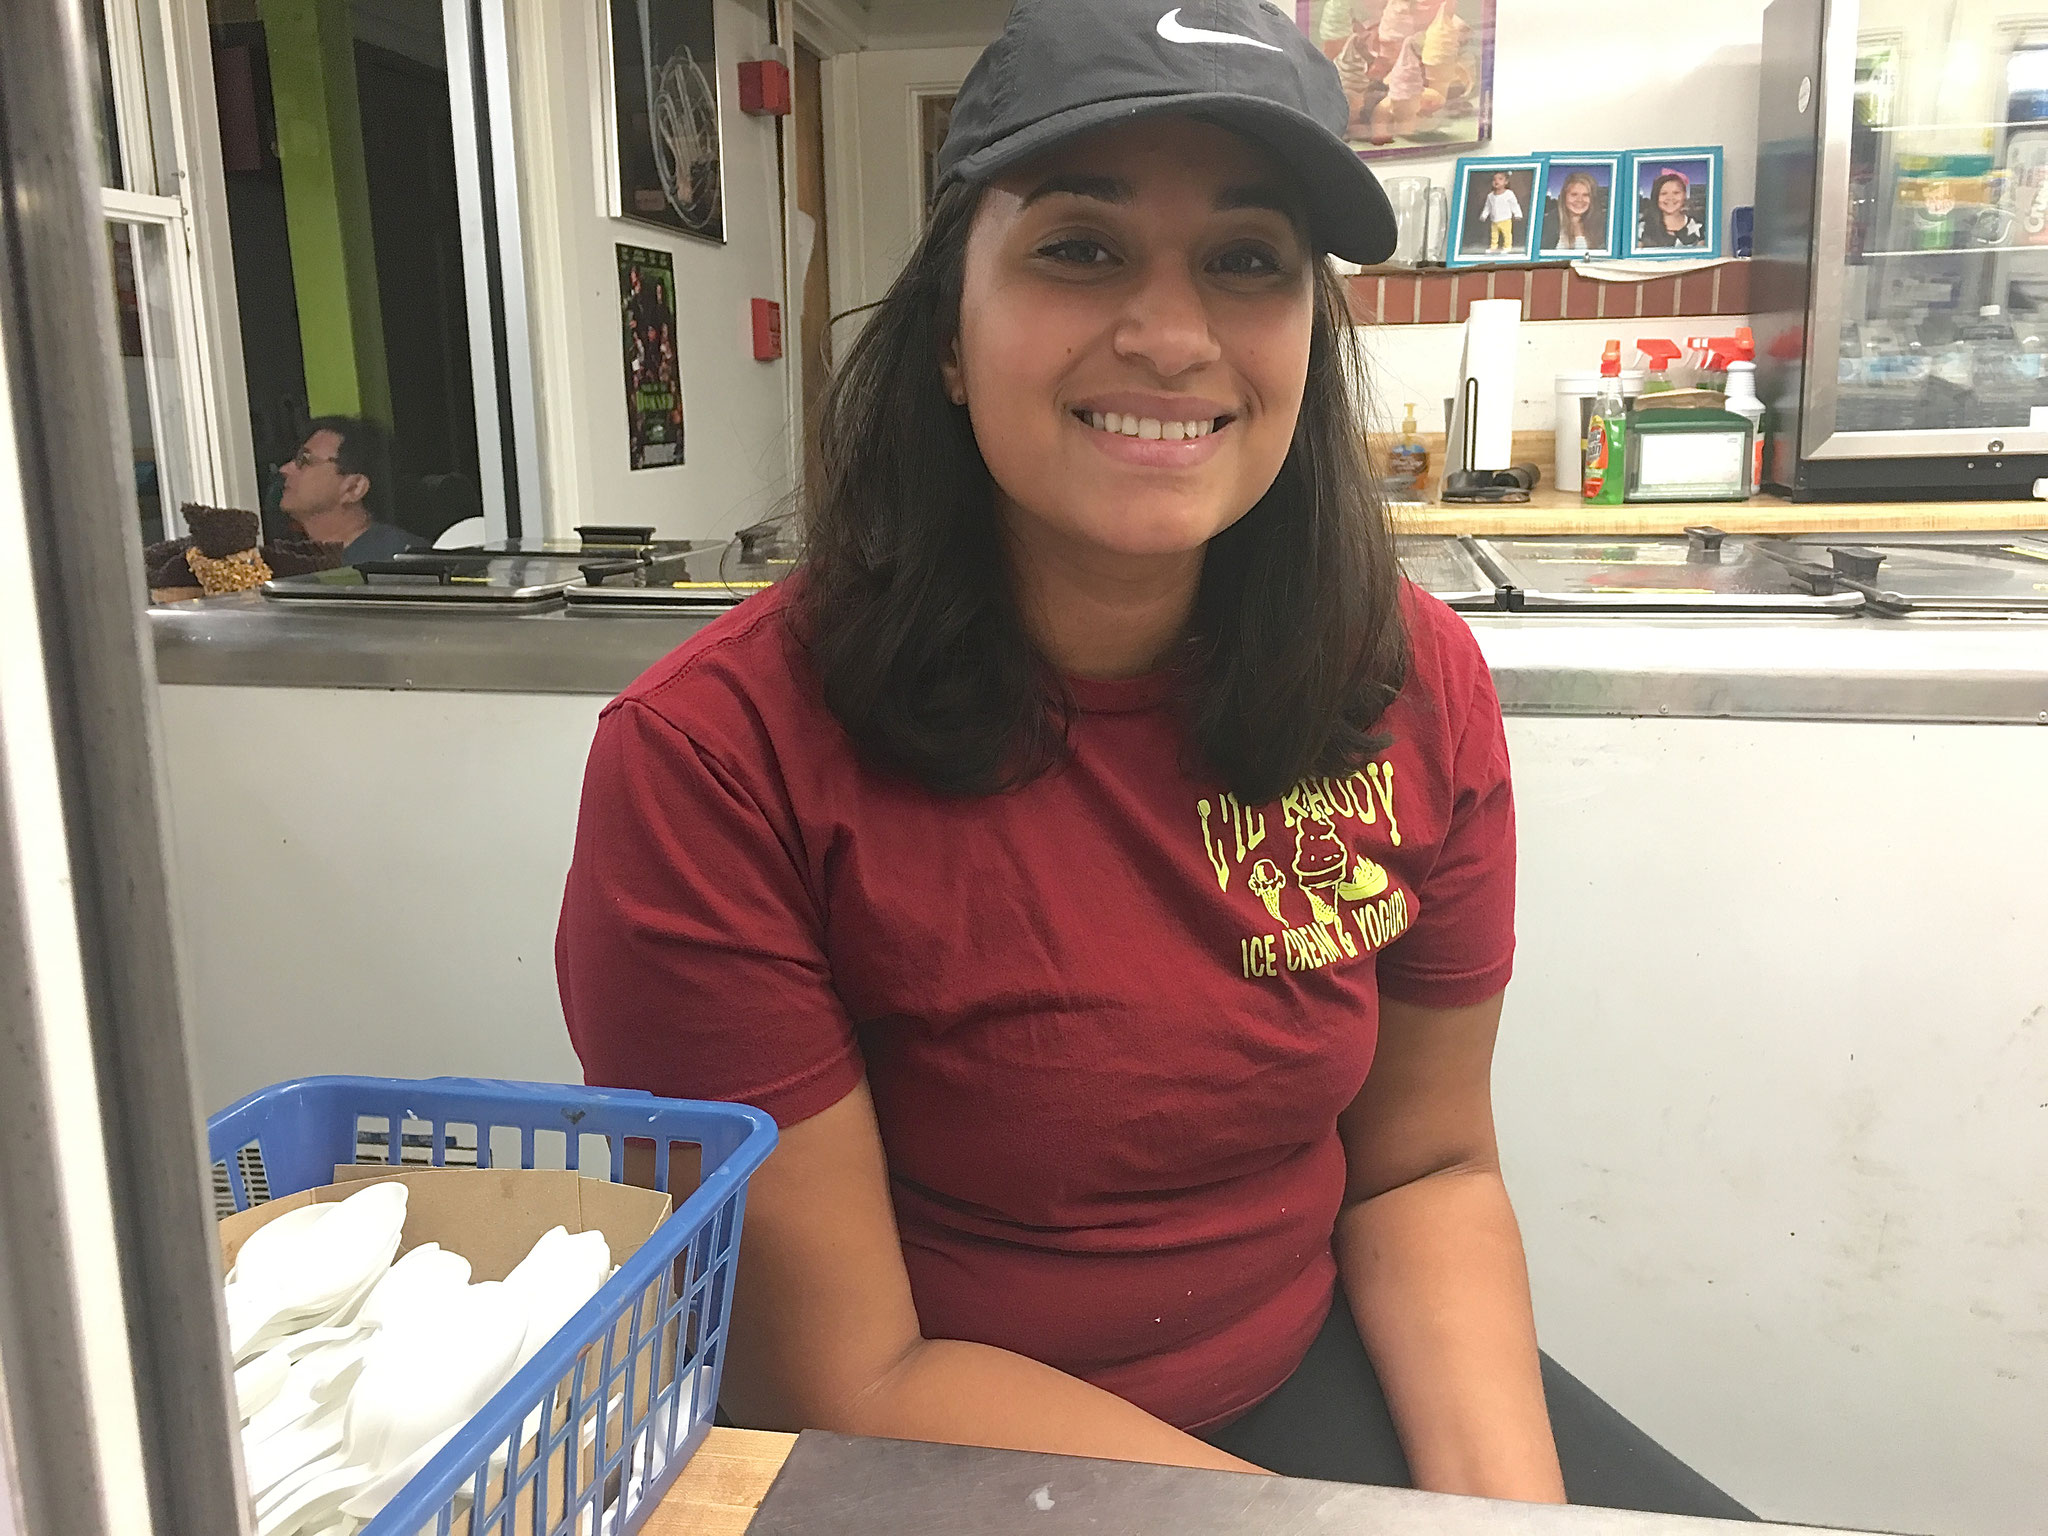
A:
(1171, 29)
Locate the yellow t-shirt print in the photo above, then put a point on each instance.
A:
(1333, 903)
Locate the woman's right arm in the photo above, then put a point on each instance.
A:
(824, 1332)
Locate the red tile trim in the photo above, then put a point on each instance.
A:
(1546, 293)
(1468, 287)
(1397, 306)
(1433, 305)
(1696, 293)
(1734, 298)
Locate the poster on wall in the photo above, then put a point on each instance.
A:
(1417, 73)
(662, 132)
(654, 378)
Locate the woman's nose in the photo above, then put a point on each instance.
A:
(1166, 324)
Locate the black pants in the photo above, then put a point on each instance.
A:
(1329, 1421)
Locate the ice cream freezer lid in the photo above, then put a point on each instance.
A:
(716, 575)
(591, 541)
(1955, 575)
(1446, 570)
(1701, 571)
(445, 577)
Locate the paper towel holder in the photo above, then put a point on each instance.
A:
(1480, 485)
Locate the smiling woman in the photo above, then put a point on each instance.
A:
(1150, 355)
(1097, 858)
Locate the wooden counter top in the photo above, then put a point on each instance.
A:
(718, 1492)
(1553, 511)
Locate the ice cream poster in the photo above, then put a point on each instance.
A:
(654, 380)
(1418, 74)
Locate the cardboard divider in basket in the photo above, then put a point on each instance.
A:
(493, 1217)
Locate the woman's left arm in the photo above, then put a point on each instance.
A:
(1432, 1264)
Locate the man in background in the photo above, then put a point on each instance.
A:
(337, 485)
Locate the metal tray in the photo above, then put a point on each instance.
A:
(710, 576)
(1705, 571)
(1969, 576)
(445, 578)
(1446, 569)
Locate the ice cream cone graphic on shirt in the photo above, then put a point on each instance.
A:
(1320, 860)
(1267, 883)
(1367, 881)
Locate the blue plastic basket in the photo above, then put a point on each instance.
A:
(589, 1434)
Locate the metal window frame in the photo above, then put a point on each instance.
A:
(481, 105)
(119, 1406)
(186, 346)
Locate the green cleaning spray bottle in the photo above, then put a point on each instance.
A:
(1606, 470)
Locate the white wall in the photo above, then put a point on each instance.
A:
(1420, 363)
(737, 444)
(367, 882)
(1639, 77)
(873, 174)
(1773, 1096)
(935, 23)
(1770, 1088)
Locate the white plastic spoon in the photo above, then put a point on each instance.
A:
(258, 1382)
(555, 1279)
(319, 1265)
(422, 1378)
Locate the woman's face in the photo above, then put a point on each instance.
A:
(1671, 198)
(1578, 199)
(1134, 336)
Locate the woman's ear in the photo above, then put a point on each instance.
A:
(950, 371)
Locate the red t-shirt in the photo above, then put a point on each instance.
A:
(1109, 1019)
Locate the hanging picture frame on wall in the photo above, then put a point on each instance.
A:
(1579, 217)
(664, 143)
(1494, 208)
(1674, 206)
(647, 342)
(1418, 74)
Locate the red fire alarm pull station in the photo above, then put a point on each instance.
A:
(764, 88)
(767, 330)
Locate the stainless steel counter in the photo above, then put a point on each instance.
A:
(910, 1488)
(1820, 669)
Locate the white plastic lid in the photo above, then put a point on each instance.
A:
(1988, 311)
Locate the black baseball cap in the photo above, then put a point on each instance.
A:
(1064, 67)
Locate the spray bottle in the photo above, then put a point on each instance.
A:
(1660, 354)
(1742, 400)
(1605, 480)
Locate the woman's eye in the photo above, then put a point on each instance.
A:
(1248, 261)
(1077, 252)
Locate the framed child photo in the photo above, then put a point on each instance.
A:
(1493, 208)
(1579, 207)
(1674, 207)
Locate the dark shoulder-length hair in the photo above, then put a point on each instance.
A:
(1296, 646)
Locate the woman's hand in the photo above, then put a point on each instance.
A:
(825, 1335)
(1432, 1261)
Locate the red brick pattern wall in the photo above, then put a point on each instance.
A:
(1547, 293)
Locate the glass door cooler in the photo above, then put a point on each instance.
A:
(1901, 278)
